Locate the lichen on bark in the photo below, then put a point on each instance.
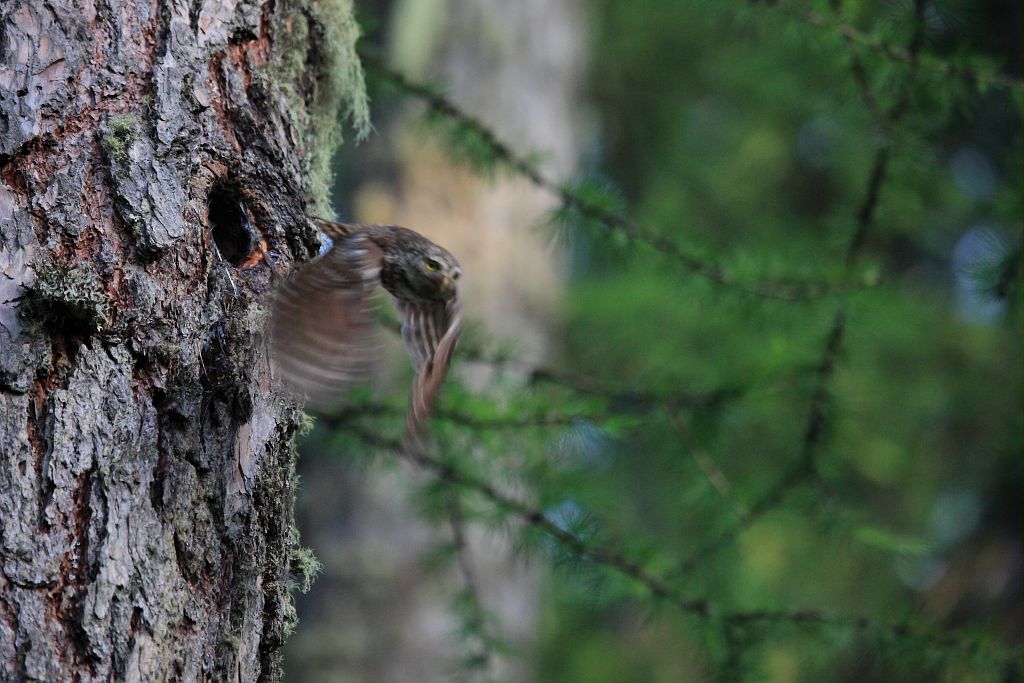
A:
(318, 71)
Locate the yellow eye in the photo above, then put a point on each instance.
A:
(431, 265)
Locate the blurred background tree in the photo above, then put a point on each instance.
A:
(743, 396)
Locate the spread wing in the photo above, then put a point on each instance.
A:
(322, 323)
(430, 331)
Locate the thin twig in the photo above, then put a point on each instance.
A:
(343, 415)
(803, 468)
(910, 56)
(536, 519)
(583, 384)
(715, 476)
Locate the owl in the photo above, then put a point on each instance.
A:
(322, 328)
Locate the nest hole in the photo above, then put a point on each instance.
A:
(229, 224)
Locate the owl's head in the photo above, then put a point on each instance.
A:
(416, 269)
(439, 272)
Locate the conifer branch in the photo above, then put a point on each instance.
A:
(805, 466)
(463, 419)
(573, 200)
(712, 473)
(663, 586)
(536, 519)
(910, 55)
(659, 586)
(589, 386)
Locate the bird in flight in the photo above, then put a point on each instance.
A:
(322, 323)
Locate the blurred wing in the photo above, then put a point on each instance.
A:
(430, 332)
(321, 326)
(337, 232)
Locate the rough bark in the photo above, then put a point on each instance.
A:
(153, 181)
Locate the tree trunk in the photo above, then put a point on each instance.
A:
(154, 177)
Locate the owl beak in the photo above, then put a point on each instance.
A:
(446, 283)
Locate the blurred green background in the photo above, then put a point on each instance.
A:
(713, 436)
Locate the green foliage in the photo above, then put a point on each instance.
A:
(595, 206)
(742, 465)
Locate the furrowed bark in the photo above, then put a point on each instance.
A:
(153, 181)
